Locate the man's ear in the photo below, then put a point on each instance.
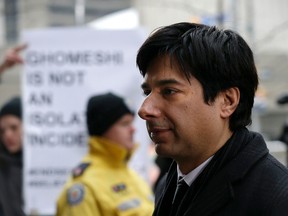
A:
(230, 101)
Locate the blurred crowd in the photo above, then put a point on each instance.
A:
(113, 128)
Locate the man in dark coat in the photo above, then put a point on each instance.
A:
(200, 84)
(11, 202)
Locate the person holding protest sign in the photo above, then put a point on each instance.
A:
(200, 83)
(11, 200)
(103, 184)
(11, 203)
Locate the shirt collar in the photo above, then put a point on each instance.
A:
(191, 176)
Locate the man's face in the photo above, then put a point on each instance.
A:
(122, 132)
(178, 120)
(11, 133)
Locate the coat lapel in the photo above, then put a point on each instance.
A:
(213, 196)
(219, 190)
(164, 204)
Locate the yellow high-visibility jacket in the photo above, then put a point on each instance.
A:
(104, 185)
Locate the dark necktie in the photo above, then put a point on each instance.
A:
(181, 189)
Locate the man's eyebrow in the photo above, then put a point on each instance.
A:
(160, 83)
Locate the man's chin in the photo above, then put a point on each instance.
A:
(161, 150)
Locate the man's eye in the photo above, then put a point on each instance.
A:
(168, 91)
(146, 92)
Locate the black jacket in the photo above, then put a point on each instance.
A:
(242, 179)
(11, 201)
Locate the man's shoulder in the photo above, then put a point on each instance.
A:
(275, 169)
(269, 174)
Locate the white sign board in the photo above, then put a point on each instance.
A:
(63, 68)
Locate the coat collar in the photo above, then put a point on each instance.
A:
(108, 151)
(218, 190)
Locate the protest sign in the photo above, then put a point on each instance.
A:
(63, 68)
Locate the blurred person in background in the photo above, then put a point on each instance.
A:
(103, 184)
(11, 201)
(11, 164)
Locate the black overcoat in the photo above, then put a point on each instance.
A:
(242, 180)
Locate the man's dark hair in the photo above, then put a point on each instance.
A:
(218, 59)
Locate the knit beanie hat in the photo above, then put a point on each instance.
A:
(103, 111)
(12, 107)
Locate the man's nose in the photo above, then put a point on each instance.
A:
(149, 108)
